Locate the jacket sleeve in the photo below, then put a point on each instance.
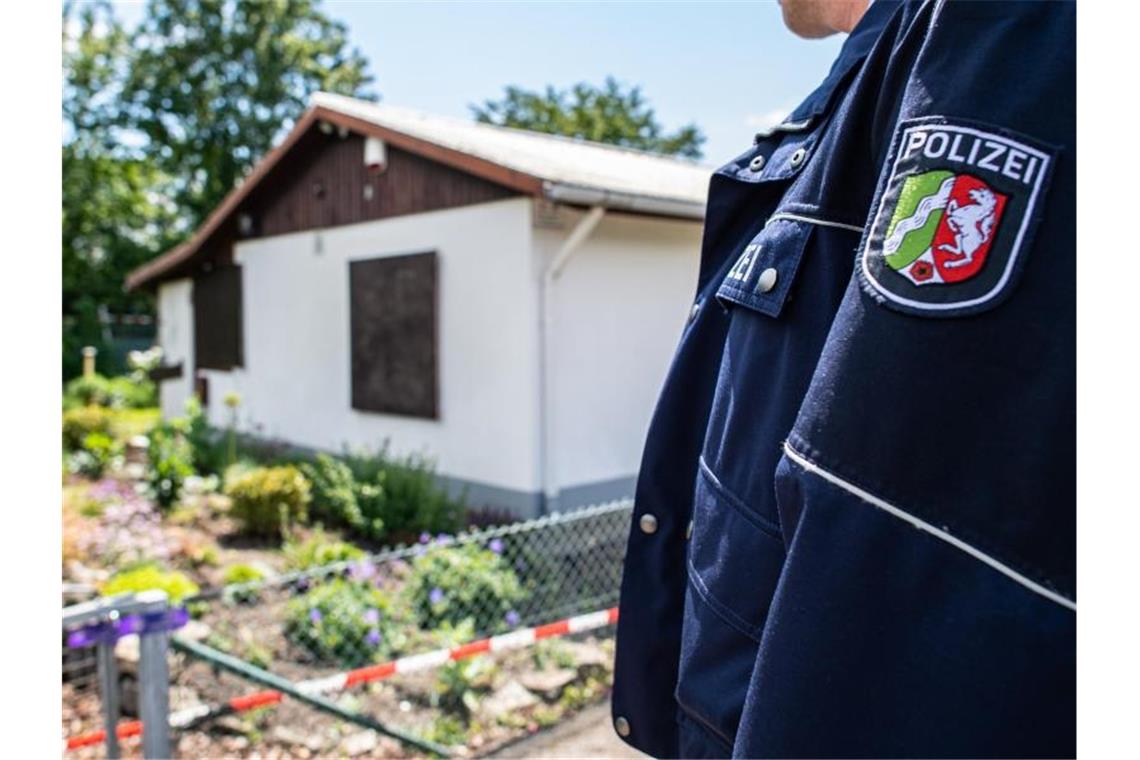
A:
(927, 489)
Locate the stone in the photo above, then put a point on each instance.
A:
(588, 656)
(510, 697)
(548, 683)
(127, 653)
(194, 630)
(361, 743)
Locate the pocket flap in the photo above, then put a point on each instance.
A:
(764, 272)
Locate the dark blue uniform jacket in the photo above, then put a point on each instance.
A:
(862, 463)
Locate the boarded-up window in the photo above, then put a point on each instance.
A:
(394, 346)
(218, 319)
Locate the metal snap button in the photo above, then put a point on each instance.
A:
(621, 725)
(694, 311)
(689, 531)
(767, 280)
(798, 157)
(648, 523)
(756, 164)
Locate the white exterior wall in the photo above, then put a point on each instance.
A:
(296, 382)
(618, 310)
(176, 336)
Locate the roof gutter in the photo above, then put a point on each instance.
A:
(578, 195)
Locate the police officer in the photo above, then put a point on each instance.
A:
(854, 529)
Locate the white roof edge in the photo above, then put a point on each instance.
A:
(572, 170)
(646, 204)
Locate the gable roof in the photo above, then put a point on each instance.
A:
(561, 169)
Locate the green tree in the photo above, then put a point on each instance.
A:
(114, 214)
(605, 114)
(211, 83)
(161, 121)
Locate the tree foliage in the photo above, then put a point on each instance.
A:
(605, 114)
(161, 121)
(211, 83)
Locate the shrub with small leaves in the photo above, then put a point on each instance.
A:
(81, 422)
(147, 577)
(319, 549)
(242, 573)
(452, 583)
(95, 457)
(171, 461)
(268, 500)
(335, 496)
(348, 622)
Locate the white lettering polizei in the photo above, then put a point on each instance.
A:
(971, 150)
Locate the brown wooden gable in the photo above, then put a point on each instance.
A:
(325, 184)
(317, 178)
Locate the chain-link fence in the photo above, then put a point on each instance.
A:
(376, 639)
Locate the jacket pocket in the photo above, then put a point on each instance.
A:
(735, 557)
(762, 277)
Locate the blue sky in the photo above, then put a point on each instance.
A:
(731, 67)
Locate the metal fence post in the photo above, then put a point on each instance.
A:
(109, 692)
(154, 679)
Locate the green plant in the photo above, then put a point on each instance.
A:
(460, 684)
(134, 391)
(80, 422)
(171, 461)
(335, 496)
(209, 450)
(150, 576)
(95, 456)
(87, 390)
(318, 550)
(450, 584)
(242, 573)
(447, 730)
(268, 500)
(405, 493)
(347, 622)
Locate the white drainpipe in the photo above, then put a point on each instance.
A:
(550, 275)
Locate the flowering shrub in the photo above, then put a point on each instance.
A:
(267, 500)
(347, 621)
(150, 576)
(449, 584)
(128, 530)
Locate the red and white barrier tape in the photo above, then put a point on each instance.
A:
(415, 663)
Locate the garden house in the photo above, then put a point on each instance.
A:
(504, 301)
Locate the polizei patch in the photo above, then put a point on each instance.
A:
(954, 220)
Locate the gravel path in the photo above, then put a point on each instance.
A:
(589, 734)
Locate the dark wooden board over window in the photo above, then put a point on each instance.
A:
(395, 351)
(218, 319)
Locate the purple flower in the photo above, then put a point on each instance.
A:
(315, 615)
(512, 618)
(444, 539)
(373, 638)
(436, 595)
(372, 617)
(361, 571)
(496, 545)
(425, 537)
(420, 550)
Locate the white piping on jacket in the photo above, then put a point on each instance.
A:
(811, 220)
(938, 533)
